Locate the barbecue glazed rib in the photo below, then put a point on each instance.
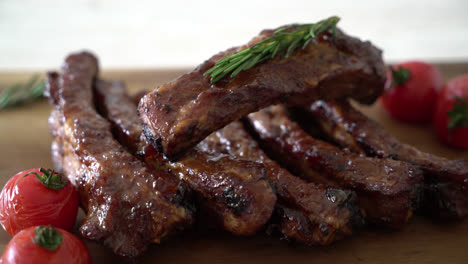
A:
(386, 189)
(232, 192)
(306, 212)
(127, 204)
(446, 181)
(181, 113)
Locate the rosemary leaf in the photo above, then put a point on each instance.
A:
(270, 47)
(20, 93)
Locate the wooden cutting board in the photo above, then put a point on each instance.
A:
(25, 143)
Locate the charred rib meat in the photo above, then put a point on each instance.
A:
(446, 181)
(386, 189)
(233, 192)
(306, 212)
(181, 113)
(128, 204)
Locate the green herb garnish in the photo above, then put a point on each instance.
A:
(22, 92)
(269, 48)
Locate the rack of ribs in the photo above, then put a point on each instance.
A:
(179, 114)
(387, 190)
(306, 212)
(127, 203)
(231, 192)
(446, 181)
(309, 213)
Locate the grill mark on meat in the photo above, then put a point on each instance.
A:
(127, 204)
(446, 181)
(306, 212)
(386, 188)
(233, 192)
(326, 68)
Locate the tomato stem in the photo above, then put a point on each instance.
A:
(458, 116)
(400, 75)
(50, 178)
(47, 237)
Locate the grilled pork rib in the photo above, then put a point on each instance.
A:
(446, 181)
(181, 113)
(306, 212)
(128, 204)
(233, 192)
(386, 188)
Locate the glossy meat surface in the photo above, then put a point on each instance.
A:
(446, 181)
(306, 212)
(179, 114)
(127, 204)
(233, 193)
(387, 189)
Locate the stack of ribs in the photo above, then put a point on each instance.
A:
(276, 148)
(445, 181)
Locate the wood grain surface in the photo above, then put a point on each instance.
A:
(25, 143)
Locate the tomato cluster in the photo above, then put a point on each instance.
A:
(415, 93)
(37, 206)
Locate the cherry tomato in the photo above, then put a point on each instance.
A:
(451, 113)
(38, 197)
(412, 94)
(45, 244)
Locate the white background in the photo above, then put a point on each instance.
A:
(37, 34)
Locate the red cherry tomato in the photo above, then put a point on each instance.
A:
(451, 113)
(25, 201)
(413, 91)
(41, 245)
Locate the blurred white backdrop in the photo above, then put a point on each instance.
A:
(153, 34)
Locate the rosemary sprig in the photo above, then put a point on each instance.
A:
(269, 48)
(22, 92)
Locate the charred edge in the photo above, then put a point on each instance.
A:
(155, 142)
(274, 229)
(167, 108)
(371, 151)
(235, 202)
(183, 197)
(306, 230)
(324, 229)
(347, 200)
(435, 203)
(368, 148)
(417, 196)
(393, 156)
